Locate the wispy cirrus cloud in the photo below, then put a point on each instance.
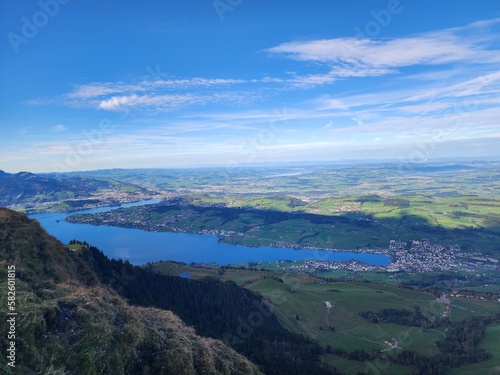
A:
(169, 102)
(428, 49)
(59, 128)
(356, 57)
(134, 100)
(99, 89)
(337, 58)
(150, 93)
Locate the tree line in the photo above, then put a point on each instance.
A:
(217, 309)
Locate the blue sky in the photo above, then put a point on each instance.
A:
(128, 84)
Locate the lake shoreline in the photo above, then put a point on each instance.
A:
(139, 246)
(221, 238)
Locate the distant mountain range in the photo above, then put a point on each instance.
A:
(32, 190)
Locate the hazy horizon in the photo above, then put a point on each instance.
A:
(293, 164)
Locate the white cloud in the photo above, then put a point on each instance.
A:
(164, 101)
(170, 101)
(447, 93)
(59, 128)
(326, 103)
(354, 57)
(152, 93)
(92, 90)
(359, 122)
(379, 54)
(100, 89)
(484, 84)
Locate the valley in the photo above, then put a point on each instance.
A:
(438, 228)
(299, 299)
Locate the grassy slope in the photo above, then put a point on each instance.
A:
(304, 296)
(351, 331)
(354, 333)
(27, 191)
(68, 323)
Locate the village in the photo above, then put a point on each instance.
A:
(413, 257)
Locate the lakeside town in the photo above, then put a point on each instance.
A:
(415, 256)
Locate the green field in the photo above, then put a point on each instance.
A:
(325, 206)
(312, 183)
(490, 343)
(351, 331)
(299, 303)
(335, 223)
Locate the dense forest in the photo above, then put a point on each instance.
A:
(399, 316)
(459, 347)
(221, 310)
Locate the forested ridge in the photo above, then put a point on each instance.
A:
(217, 309)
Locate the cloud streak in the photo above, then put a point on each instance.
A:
(356, 57)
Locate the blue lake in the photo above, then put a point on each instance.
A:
(140, 247)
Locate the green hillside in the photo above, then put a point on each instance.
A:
(70, 323)
(26, 191)
(427, 342)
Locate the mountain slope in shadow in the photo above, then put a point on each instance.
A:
(68, 322)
